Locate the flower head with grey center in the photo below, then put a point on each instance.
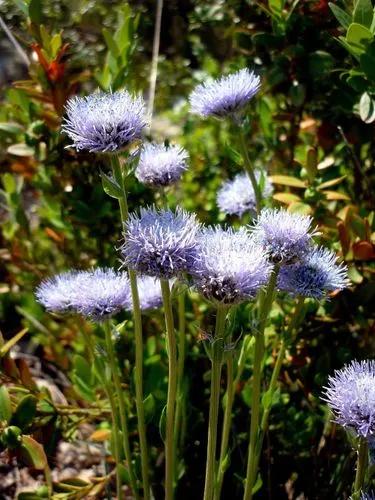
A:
(227, 96)
(235, 197)
(96, 294)
(229, 267)
(161, 165)
(160, 243)
(285, 236)
(316, 275)
(104, 122)
(351, 396)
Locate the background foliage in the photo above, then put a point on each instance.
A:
(312, 128)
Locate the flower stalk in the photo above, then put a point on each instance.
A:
(172, 390)
(265, 304)
(216, 364)
(362, 462)
(137, 317)
(250, 170)
(113, 362)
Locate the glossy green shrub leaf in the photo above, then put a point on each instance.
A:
(343, 17)
(32, 453)
(5, 405)
(35, 11)
(25, 412)
(363, 13)
(358, 37)
(367, 108)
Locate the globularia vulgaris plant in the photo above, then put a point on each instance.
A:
(166, 250)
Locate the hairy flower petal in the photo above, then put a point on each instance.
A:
(235, 197)
(96, 294)
(226, 96)
(160, 243)
(161, 165)
(228, 267)
(104, 122)
(351, 396)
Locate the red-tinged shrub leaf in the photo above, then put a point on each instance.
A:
(32, 453)
(286, 198)
(364, 250)
(287, 180)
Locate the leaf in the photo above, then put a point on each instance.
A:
(300, 208)
(35, 11)
(335, 195)
(20, 149)
(286, 180)
(9, 183)
(163, 423)
(25, 412)
(358, 37)
(5, 405)
(363, 13)
(343, 17)
(11, 127)
(354, 275)
(286, 198)
(366, 108)
(100, 435)
(55, 44)
(364, 250)
(110, 186)
(332, 182)
(311, 164)
(32, 453)
(11, 342)
(111, 44)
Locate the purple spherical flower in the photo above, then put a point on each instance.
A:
(228, 267)
(235, 197)
(160, 243)
(149, 292)
(161, 165)
(367, 496)
(104, 122)
(226, 96)
(96, 294)
(351, 396)
(285, 236)
(316, 275)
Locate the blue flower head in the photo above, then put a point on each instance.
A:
(285, 236)
(316, 275)
(228, 267)
(161, 165)
(104, 122)
(96, 294)
(149, 292)
(226, 96)
(351, 396)
(235, 197)
(160, 243)
(370, 495)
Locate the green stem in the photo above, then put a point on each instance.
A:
(250, 170)
(172, 389)
(137, 316)
(216, 363)
(181, 363)
(362, 461)
(227, 424)
(121, 404)
(265, 304)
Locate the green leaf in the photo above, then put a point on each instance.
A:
(276, 6)
(366, 108)
(22, 5)
(163, 423)
(287, 180)
(367, 62)
(363, 13)
(55, 44)
(9, 183)
(32, 453)
(20, 150)
(25, 412)
(11, 127)
(110, 186)
(358, 37)
(5, 405)
(343, 17)
(311, 164)
(11, 342)
(287, 198)
(111, 44)
(35, 11)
